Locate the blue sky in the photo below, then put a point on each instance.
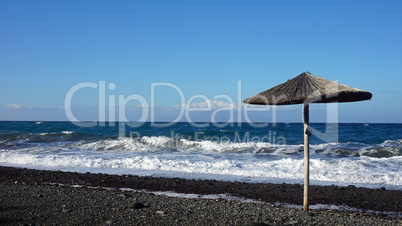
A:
(205, 48)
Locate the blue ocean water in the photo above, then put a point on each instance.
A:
(368, 155)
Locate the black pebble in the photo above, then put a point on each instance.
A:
(136, 205)
(258, 224)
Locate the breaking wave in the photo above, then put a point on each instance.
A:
(61, 147)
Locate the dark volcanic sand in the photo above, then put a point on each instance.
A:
(361, 198)
(45, 204)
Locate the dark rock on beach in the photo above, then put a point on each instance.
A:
(47, 197)
(136, 205)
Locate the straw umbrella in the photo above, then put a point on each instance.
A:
(305, 89)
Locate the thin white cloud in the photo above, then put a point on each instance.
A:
(16, 106)
(215, 104)
(212, 104)
(24, 106)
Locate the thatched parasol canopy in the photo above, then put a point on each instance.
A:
(307, 88)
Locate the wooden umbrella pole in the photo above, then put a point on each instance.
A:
(306, 155)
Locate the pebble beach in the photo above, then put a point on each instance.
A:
(37, 197)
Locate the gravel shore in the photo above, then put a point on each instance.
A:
(36, 197)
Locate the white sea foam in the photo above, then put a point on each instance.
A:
(330, 163)
(366, 171)
(163, 144)
(55, 133)
(215, 154)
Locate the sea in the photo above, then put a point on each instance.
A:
(364, 155)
